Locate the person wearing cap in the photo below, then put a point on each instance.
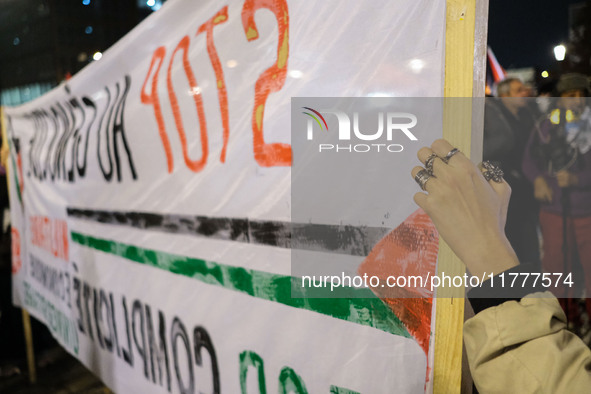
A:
(558, 163)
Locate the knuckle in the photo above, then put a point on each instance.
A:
(468, 167)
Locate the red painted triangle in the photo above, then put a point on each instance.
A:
(408, 250)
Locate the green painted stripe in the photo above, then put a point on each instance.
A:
(370, 311)
(340, 390)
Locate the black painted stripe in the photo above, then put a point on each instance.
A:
(340, 239)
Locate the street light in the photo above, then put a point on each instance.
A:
(559, 52)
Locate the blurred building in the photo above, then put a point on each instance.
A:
(578, 56)
(43, 42)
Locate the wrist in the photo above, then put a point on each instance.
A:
(495, 257)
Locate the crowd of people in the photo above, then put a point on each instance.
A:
(543, 146)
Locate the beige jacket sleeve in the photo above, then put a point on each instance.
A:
(524, 347)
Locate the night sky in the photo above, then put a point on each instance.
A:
(523, 33)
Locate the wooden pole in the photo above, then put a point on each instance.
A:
(29, 346)
(457, 129)
(28, 333)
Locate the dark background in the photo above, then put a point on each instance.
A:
(44, 41)
(523, 33)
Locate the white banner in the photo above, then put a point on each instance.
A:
(150, 196)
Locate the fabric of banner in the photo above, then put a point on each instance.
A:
(150, 199)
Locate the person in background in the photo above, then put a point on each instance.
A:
(558, 162)
(508, 122)
(517, 342)
(545, 93)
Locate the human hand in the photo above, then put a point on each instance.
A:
(566, 178)
(542, 191)
(468, 211)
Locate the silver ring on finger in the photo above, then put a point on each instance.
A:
(429, 162)
(450, 154)
(422, 178)
(492, 172)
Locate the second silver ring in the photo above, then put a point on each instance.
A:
(450, 154)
